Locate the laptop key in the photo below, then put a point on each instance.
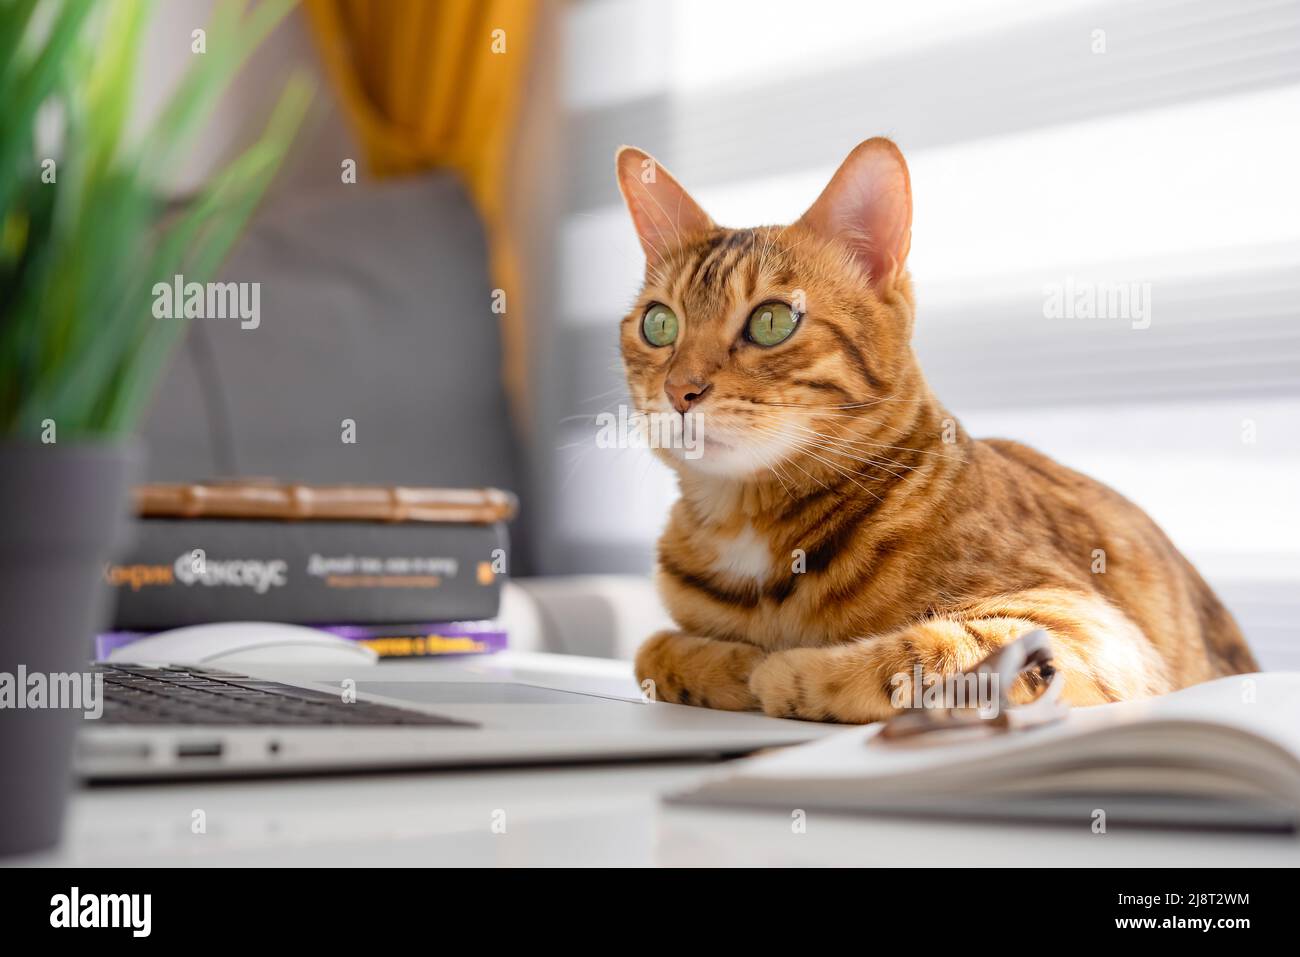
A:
(140, 695)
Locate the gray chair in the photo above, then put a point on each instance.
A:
(375, 308)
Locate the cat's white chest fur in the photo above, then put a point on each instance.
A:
(745, 556)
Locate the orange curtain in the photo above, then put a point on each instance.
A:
(438, 83)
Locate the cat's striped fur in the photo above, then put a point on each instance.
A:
(841, 527)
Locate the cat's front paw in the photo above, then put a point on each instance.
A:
(783, 683)
(817, 684)
(686, 669)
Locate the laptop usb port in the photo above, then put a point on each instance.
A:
(198, 749)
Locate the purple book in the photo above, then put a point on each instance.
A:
(421, 640)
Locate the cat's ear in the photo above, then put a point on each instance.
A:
(662, 212)
(868, 206)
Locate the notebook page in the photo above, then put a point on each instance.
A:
(1267, 705)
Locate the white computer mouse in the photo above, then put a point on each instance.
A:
(243, 643)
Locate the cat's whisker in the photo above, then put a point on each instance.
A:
(837, 445)
(863, 442)
(781, 477)
(600, 395)
(585, 445)
(874, 463)
(658, 274)
(768, 243)
(830, 444)
(780, 467)
(864, 404)
(808, 474)
(849, 417)
(784, 251)
(777, 476)
(898, 448)
(757, 462)
(807, 449)
(805, 445)
(844, 472)
(903, 448)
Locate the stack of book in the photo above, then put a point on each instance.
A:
(408, 571)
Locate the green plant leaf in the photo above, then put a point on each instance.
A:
(112, 79)
(78, 261)
(229, 44)
(24, 97)
(220, 221)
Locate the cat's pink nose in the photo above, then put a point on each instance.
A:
(684, 393)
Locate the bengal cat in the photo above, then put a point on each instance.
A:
(840, 527)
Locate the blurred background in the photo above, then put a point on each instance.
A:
(1050, 145)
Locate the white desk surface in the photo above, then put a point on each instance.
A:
(607, 815)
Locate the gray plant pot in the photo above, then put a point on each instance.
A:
(63, 511)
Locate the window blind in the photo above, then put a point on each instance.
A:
(1057, 151)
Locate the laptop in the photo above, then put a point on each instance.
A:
(178, 721)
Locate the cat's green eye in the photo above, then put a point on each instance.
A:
(659, 325)
(771, 324)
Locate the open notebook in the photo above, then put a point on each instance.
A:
(1225, 754)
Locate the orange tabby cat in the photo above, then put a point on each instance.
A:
(840, 527)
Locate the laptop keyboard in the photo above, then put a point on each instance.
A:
(135, 694)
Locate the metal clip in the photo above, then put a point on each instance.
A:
(1029, 652)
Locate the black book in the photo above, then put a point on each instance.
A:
(183, 571)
